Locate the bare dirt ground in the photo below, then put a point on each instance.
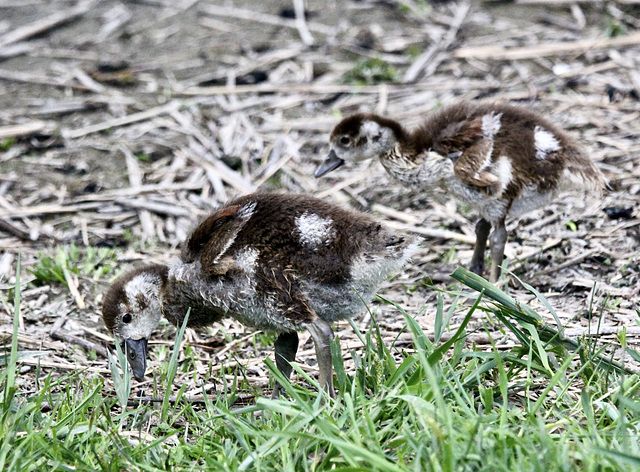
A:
(123, 123)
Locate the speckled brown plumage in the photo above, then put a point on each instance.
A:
(457, 129)
(278, 242)
(272, 261)
(499, 159)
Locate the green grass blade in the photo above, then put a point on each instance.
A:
(173, 367)
(6, 358)
(543, 300)
(9, 389)
(436, 355)
(620, 456)
(121, 381)
(338, 364)
(438, 327)
(542, 353)
(524, 315)
(478, 284)
(552, 383)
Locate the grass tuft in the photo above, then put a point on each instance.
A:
(121, 377)
(92, 261)
(370, 72)
(430, 406)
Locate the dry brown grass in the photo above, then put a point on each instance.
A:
(124, 123)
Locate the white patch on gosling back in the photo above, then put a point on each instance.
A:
(504, 171)
(491, 124)
(246, 259)
(545, 142)
(486, 162)
(315, 230)
(243, 213)
(247, 211)
(226, 246)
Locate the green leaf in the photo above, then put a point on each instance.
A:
(9, 389)
(173, 366)
(121, 381)
(439, 352)
(6, 358)
(620, 456)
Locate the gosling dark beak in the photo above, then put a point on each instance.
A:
(137, 357)
(332, 162)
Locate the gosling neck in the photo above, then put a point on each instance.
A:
(427, 169)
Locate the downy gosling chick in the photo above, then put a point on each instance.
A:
(500, 160)
(274, 262)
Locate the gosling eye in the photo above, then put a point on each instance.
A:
(126, 318)
(345, 140)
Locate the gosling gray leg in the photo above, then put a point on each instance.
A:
(322, 334)
(482, 233)
(498, 241)
(286, 347)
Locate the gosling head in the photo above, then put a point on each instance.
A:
(360, 137)
(131, 311)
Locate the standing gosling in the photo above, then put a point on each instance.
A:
(275, 262)
(500, 160)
